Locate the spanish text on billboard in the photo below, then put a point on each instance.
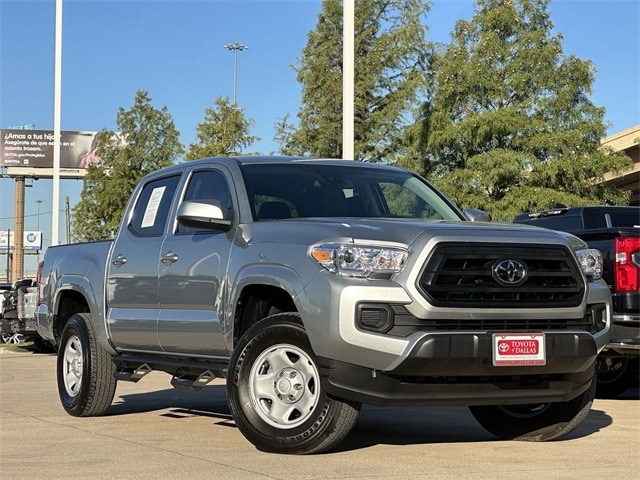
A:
(34, 148)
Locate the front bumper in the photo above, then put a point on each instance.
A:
(457, 369)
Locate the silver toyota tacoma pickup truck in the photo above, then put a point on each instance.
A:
(316, 286)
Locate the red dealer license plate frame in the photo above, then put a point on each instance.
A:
(519, 349)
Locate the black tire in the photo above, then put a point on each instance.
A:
(275, 395)
(535, 423)
(86, 384)
(614, 375)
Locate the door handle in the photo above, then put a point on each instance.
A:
(119, 260)
(169, 258)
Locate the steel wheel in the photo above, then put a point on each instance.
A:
(72, 366)
(284, 386)
(86, 384)
(275, 394)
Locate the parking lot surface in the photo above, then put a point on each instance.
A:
(153, 431)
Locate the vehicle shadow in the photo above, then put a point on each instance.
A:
(432, 425)
(209, 401)
(375, 425)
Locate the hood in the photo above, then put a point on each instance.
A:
(396, 230)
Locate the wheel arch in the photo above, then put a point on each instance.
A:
(76, 294)
(260, 292)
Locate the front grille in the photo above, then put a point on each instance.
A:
(460, 275)
(405, 324)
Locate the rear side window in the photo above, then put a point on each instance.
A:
(631, 219)
(152, 208)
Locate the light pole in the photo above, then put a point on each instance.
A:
(235, 46)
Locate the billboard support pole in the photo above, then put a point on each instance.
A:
(18, 231)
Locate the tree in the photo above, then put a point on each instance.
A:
(225, 131)
(147, 140)
(391, 58)
(510, 126)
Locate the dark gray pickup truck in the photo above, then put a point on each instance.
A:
(615, 231)
(315, 286)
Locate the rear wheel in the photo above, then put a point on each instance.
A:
(275, 394)
(535, 422)
(86, 384)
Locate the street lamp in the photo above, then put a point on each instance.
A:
(235, 46)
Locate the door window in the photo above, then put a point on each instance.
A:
(207, 186)
(152, 208)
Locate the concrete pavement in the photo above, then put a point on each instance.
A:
(156, 432)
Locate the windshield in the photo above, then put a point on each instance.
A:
(300, 190)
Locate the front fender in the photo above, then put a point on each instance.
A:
(274, 275)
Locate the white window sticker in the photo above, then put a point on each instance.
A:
(152, 207)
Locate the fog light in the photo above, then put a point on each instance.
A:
(598, 316)
(375, 318)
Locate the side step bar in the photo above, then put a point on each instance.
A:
(184, 380)
(186, 374)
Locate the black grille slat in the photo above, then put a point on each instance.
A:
(507, 324)
(405, 324)
(460, 275)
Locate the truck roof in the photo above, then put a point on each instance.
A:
(583, 218)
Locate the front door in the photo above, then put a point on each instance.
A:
(192, 276)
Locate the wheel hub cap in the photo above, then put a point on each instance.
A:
(289, 385)
(76, 365)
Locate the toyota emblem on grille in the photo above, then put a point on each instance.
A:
(509, 272)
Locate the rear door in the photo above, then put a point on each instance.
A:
(191, 277)
(132, 276)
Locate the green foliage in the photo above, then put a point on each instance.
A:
(225, 131)
(391, 56)
(402, 202)
(511, 116)
(147, 140)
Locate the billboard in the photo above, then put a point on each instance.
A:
(28, 150)
(32, 241)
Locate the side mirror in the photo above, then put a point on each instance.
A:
(203, 215)
(476, 215)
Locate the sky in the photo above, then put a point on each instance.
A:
(174, 49)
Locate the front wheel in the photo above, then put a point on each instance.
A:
(535, 422)
(86, 384)
(275, 394)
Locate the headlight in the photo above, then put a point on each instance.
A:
(352, 260)
(590, 260)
